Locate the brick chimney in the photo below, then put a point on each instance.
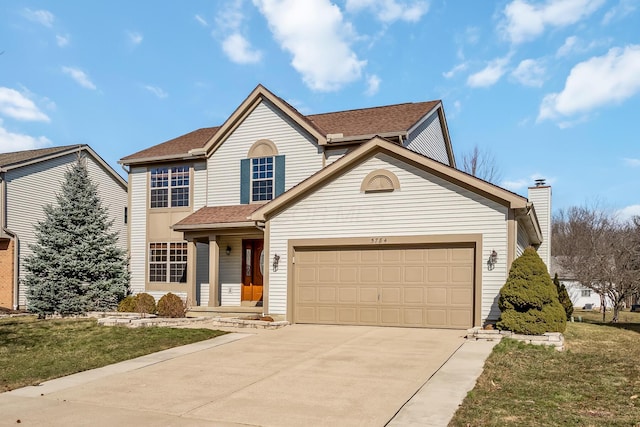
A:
(540, 196)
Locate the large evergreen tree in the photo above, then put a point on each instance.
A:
(75, 266)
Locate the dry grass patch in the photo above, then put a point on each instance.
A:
(595, 382)
(33, 351)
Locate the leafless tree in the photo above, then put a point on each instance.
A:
(482, 164)
(600, 252)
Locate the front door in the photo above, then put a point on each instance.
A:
(252, 266)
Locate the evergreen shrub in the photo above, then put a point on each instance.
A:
(145, 303)
(563, 296)
(529, 300)
(171, 305)
(127, 305)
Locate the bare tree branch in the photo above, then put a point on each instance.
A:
(482, 164)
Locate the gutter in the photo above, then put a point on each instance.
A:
(527, 214)
(338, 137)
(193, 154)
(214, 226)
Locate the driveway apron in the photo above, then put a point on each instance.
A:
(298, 375)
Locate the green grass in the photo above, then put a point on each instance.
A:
(595, 382)
(33, 351)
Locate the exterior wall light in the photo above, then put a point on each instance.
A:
(276, 260)
(493, 259)
(228, 250)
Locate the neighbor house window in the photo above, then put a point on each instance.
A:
(168, 262)
(586, 293)
(262, 179)
(170, 187)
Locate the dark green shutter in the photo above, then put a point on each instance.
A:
(245, 180)
(279, 175)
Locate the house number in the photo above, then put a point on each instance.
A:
(378, 240)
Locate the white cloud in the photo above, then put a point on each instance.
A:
(157, 91)
(530, 72)
(316, 35)
(617, 74)
(634, 163)
(373, 85)
(622, 9)
(489, 75)
(201, 20)
(80, 77)
(389, 11)
(135, 38)
(63, 40)
(525, 21)
(18, 106)
(10, 142)
(455, 70)
(626, 213)
(43, 17)
(235, 44)
(239, 50)
(568, 46)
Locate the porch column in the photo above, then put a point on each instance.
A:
(214, 262)
(191, 272)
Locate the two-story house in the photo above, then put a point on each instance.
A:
(31, 179)
(352, 217)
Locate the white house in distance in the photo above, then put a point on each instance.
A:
(581, 296)
(355, 217)
(29, 180)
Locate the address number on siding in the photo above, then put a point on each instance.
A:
(378, 240)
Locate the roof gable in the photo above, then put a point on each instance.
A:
(18, 159)
(380, 145)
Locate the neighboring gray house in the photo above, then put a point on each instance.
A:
(29, 180)
(355, 217)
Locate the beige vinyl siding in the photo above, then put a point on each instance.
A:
(424, 205)
(523, 241)
(199, 186)
(302, 155)
(138, 227)
(31, 187)
(230, 272)
(427, 138)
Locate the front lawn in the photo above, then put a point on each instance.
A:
(595, 382)
(33, 351)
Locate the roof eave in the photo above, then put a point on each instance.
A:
(213, 226)
(165, 158)
(331, 140)
(528, 216)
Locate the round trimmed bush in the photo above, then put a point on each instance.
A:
(171, 305)
(127, 305)
(145, 303)
(529, 299)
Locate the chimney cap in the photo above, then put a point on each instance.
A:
(540, 182)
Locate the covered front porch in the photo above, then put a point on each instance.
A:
(226, 262)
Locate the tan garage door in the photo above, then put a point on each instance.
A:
(415, 287)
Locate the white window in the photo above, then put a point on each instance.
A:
(168, 262)
(585, 293)
(262, 179)
(169, 187)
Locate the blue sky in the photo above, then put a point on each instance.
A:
(550, 88)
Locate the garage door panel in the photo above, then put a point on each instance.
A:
(437, 274)
(415, 287)
(348, 295)
(368, 295)
(391, 295)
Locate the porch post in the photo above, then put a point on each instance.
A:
(191, 272)
(214, 262)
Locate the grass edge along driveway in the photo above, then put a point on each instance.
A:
(594, 382)
(33, 350)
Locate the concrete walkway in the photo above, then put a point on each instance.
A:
(299, 375)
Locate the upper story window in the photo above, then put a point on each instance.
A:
(261, 173)
(262, 179)
(170, 187)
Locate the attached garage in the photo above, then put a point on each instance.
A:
(419, 286)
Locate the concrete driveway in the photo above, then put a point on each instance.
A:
(298, 375)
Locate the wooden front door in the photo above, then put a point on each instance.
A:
(252, 266)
